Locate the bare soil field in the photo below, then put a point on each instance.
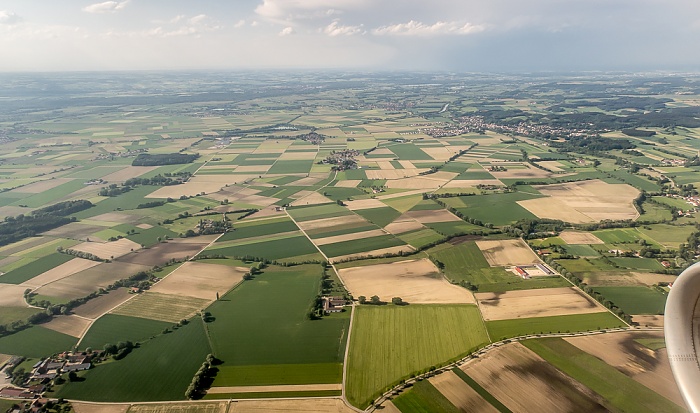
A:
(575, 237)
(289, 387)
(648, 367)
(109, 250)
(542, 302)
(524, 382)
(102, 304)
(179, 407)
(200, 280)
(375, 253)
(349, 237)
(460, 394)
(646, 320)
(191, 188)
(350, 183)
(259, 200)
(290, 406)
(624, 278)
(64, 270)
(83, 283)
(163, 252)
(648, 278)
(503, 253)
(163, 307)
(364, 204)
(415, 281)
(115, 217)
(267, 212)
(554, 166)
(401, 226)
(585, 201)
(309, 181)
(80, 407)
(12, 295)
(128, 173)
(309, 198)
(516, 173)
(76, 230)
(331, 222)
(68, 324)
(428, 217)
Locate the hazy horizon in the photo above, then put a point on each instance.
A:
(503, 36)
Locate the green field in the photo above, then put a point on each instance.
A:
(423, 397)
(34, 268)
(272, 250)
(366, 244)
(502, 329)
(420, 238)
(36, 342)
(408, 151)
(160, 369)
(287, 338)
(379, 216)
(634, 299)
(259, 229)
(129, 200)
(618, 389)
(10, 314)
(389, 343)
(454, 228)
(636, 263)
(498, 209)
(291, 167)
(301, 214)
(279, 374)
(112, 328)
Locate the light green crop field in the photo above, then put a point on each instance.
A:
(112, 328)
(34, 268)
(424, 397)
(355, 246)
(389, 343)
(272, 250)
(618, 389)
(635, 299)
(35, 342)
(502, 329)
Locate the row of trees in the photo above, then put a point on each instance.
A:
(202, 379)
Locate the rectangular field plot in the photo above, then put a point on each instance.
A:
(356, 246)
(504, 253)
(163, 307)
(112, 328)
(160, 369)
(259, 228)
(502, 329)
(34, 268)
(278, 299)
(213, 407)
(200, 280)
(36, 342)
(536, 303)
(424, 397)
(389, 343)
(635, 300)
(273, 249)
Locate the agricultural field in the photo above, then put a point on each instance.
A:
(389, 343)
(502, 329)
(545, 302)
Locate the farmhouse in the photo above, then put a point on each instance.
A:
(333, 304)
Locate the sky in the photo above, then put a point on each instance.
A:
(442, 35)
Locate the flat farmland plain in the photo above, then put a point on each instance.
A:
(536, 303)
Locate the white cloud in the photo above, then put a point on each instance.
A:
(254, 23)
(287, 31)
(239, 24)
(336, 29)
(415, 28)
(8, 17)
(106, 7)
(286, 11)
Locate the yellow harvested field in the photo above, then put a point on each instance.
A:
(350, 183)
(317, 405)
(115, 217)
(349, 237)
(648, 278)
(389, 407)
(12, 295)
(107, 250)
(81, 407)
(438, 153)
(263, 201)
(554, 166)
(460, 394)
(331, 222)
(385, 165)
(252, 168)
(524, 382)
(543, 302)
(163, 307)
(374, 253)
(403, 226)
(391, 174)
(407, 164)
(364, 204)
(200, 280)
(429, 217)
(311, 198)
(309, 181)
(515, 173)
(62, 271)
(585, 201)
(418, 182)
(297, 156)
(400, 194)
(415, 281)
(41, 186)
(68, 324)
(646, 320)
(128, 173)
(503, 253)
(180, 407)
(648, 367)
(575, 237)
(288, 387)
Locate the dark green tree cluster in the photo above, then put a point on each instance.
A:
(202, 379)
(146, 159)
(14, 229)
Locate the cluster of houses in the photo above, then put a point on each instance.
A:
(47, 370)
(333, 304)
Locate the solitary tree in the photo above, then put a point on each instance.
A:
(362, 299)
(397, 301)
(375, 299)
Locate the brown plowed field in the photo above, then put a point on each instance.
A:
(460, 394)
(542, 302)
(102, 304)
(68, 324)
(64, 270)
(503, 253)
(200, 280)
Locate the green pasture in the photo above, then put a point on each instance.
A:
(635, 299)
(389, 343)
(420, 238)
(36, 342)
(408, 151)
(160, 369)
(273, 249)
(259, 229)
(52, 195)
(423, 397)
(279, 374)
(381, 217)
(637, 263)
(310, 213)
(453, 228)
(498, 209)
(620, 390)
(502, 329)
(112, 328)
(10, 314)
